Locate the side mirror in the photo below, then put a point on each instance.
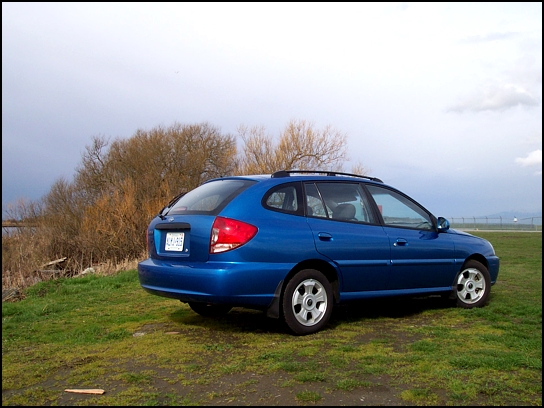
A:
(443, 224)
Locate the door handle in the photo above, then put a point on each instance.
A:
(400, 242)
(324, 236)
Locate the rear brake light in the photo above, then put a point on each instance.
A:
(228, 234)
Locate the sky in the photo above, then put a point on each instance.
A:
(440, 100)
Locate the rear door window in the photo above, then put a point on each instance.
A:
(338, 201)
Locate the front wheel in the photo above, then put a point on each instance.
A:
(209, 310)
(473, 285)
(307, 302)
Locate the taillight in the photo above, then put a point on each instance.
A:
(228, 234)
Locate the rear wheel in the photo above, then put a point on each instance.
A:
(473, 285)
(307, 302)
(209, 310)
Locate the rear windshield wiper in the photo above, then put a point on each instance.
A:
(170, 204)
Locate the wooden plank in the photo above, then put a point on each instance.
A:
(86, 391)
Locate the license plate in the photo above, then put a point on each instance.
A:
(174, 241)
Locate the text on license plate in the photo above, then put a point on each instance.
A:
(174, 241)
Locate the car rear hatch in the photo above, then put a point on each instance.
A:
(182, 231)
(181, 238)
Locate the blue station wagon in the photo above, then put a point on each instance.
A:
(296, 243)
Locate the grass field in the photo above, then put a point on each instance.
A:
(107, 333)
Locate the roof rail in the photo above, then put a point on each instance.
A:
(287, 173)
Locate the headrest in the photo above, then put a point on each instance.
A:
(344, 212)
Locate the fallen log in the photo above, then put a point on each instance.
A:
(55, 262)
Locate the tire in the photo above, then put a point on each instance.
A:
(472, 285)
(307, 302)
(209, 310)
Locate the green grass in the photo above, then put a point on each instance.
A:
(106, 332)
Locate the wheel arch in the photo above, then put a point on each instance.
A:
(324, 267)
(475, 257)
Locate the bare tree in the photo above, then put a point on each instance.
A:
(91, 174)
(301, 146)
(259, 153)
(359, 168)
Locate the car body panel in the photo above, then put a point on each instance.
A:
(197, 237)
(361, 252)
(420, 259)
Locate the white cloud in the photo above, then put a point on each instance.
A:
(534, 158)
(475, 39)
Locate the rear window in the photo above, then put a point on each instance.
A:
(210, 198)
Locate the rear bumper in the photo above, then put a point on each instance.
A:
(237, 284)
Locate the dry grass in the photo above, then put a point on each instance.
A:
(25, 261)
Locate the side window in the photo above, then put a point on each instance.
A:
(399, 211)
(339, 201)
(284, 198)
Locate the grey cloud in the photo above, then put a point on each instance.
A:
(495, 98)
